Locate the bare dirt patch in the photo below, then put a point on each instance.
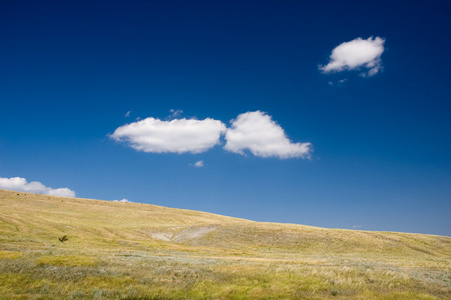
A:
(190, 233)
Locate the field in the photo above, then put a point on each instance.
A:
(138, 251)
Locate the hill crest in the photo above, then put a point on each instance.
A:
(42, 219)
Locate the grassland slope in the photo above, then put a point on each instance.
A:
(270, 260)
(42, 219)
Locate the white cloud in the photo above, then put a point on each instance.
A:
(177, 136)
(199, 164)
(128, 114)
(123, 201)
(21, 185)
(356, 226)
(258, 133)
(338, 83)
(357, 54)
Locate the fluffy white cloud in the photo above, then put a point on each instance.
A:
(263, 137)
(21, 185)
(357, 54)
(178, 136)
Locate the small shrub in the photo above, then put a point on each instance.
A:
(63, 238)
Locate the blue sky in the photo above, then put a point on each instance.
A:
(379, 158)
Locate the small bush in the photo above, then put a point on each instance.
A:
(63, 238)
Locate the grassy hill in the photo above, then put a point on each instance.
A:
(138, 251)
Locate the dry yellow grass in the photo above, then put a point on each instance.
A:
(139, 251)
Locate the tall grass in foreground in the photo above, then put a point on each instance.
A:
(62, 274)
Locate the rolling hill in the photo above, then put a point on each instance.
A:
(118, 250)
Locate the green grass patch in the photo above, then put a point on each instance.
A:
(10, 254)
(67, 260)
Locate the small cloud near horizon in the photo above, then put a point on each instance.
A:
(123, 201)
(356, 226)
(21, 185)
(356, 55)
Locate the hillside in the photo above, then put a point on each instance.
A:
(140, 251)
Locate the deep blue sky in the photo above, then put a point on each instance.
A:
(381, 160)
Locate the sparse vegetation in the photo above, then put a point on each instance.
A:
(148, 252)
